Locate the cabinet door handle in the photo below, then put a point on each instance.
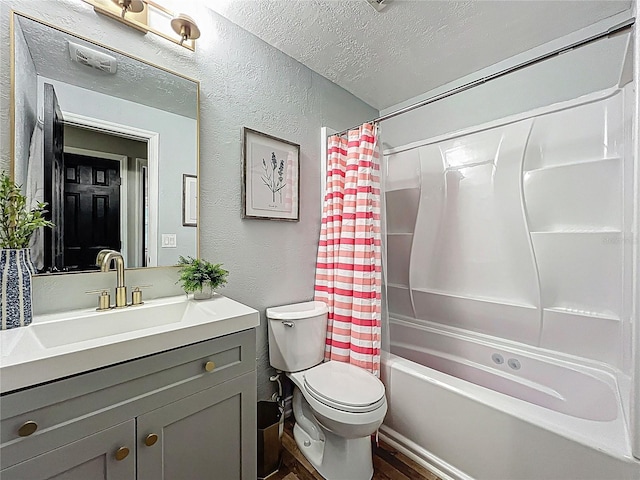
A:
(27, 428)
(209, 366)
(151, 440)
(122, 453)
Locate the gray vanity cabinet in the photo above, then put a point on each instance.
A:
(91, 458)
(199, 437)
(188, 413)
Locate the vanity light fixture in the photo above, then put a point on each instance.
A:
(149, 16)
(134, 6)
(186, 27)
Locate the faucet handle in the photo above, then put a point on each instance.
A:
(136, 294)
(104, 300)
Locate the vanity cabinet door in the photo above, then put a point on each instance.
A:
(101, 456)
(203, 436)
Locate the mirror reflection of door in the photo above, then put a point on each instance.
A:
(91, 209)
(53, 137)
(96, 187)
(105, 191)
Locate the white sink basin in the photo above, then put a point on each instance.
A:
(63, 344)
(83, 326)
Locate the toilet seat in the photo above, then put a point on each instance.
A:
(344, 387)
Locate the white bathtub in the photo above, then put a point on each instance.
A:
(455, 409)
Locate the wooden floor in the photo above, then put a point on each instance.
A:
(388, 463)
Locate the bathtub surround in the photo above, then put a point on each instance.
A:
(349, 267)
(490, 231)
(511, 263)
(244, 82)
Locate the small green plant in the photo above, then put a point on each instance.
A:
(17, 220)
(196, 274)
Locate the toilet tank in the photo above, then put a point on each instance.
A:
(297, 335)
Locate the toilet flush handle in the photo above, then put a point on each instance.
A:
(288, 324)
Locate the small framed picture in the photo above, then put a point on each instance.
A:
(270, 177)
(189, 200)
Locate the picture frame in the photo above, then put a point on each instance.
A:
(189, 200)
(270, 177)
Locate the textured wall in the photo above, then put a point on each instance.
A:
(244, 82)
(26, 116)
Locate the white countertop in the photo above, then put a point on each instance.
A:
(63, 344)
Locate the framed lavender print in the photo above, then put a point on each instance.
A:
(270, 177)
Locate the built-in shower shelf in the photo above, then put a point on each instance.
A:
(398, 285)
(583, 313)
(491, 316)
(580, 231)
(406, 186)
(577, 163)
(493, 301)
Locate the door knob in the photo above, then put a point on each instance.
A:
(151, 439)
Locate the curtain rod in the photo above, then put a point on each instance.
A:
(467, 86)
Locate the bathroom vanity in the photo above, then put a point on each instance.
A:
(173, 400)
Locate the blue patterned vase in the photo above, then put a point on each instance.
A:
(15, 287)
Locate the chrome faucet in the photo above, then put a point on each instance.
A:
(104, 261)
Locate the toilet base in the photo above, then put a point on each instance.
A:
(336, 458)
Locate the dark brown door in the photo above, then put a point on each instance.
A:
(91, 209)
(53, 180)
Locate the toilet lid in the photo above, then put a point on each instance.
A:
(344, 386)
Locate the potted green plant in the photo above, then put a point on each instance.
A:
(200, 277)
(18, 222)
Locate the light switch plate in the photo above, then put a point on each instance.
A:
(169, 240)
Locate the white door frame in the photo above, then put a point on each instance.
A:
(135, 133)
(138, 232)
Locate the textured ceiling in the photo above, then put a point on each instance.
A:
(134, 80)
(412, 46)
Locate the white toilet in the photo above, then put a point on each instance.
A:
(337, 406)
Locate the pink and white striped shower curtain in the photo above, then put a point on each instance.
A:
(349, 265)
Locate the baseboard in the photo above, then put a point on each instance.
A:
(421, 456)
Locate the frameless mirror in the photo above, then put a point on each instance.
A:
(110, 143)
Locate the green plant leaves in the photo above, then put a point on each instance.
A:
(196, 273)
(17, 220)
